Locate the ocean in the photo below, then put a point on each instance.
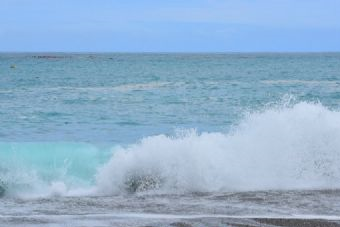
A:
(168, 139)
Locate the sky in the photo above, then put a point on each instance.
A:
(169, 25)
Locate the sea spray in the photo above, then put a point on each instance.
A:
(289, 147)
(293, 146)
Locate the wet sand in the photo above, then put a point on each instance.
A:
(121, 221)
(299, 222)
(252, 222)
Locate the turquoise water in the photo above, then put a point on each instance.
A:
(74, 124)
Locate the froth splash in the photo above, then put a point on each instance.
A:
(286, 147)
(280, 148)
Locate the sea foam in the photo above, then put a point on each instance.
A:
(283, 147)
(287, 147)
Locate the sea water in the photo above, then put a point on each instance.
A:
(114, 136)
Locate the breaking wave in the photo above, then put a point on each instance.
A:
(287, 147)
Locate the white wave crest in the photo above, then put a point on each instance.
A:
(281, 148)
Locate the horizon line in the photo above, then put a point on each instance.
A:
(169, 52)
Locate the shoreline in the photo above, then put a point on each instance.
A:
(162, 220)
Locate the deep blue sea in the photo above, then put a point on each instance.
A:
(78, 128)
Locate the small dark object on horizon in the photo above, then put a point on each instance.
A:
(47, 56)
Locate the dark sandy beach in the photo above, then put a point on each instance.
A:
(298, 222)
(252, 222)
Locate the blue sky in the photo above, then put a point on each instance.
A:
(170, 26)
